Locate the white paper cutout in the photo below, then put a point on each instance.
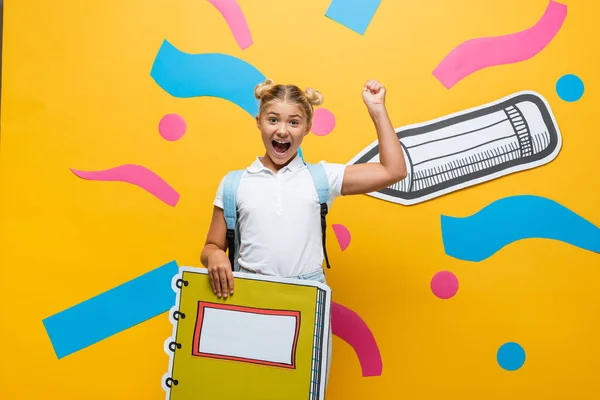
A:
(515, 133)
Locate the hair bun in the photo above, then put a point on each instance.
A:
(262, 88)
(314, 97)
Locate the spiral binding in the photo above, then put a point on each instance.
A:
(181, 281)
(177, 314)
(170, 382)
(173, 346)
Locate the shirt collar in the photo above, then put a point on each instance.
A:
(257, 166)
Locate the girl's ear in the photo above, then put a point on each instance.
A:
(308, 128)
(258, 121)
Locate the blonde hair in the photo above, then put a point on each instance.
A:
(268, 92)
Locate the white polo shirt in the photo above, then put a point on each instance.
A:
(279, 217)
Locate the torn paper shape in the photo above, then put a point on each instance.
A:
(515, 133)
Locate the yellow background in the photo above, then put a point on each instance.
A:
(206, 377)
(77, 93)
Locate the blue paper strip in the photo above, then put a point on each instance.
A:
(113, 311)
(210, 74)
(354, 14)
(507, 220)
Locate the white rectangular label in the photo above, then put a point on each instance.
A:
(247, 334)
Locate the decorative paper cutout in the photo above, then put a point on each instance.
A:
(323, 122)
(342, 234)
(516, 133)
(136, 175)
(511, 356)
(476, 54)
(172, 127)
(479, 236)
(211, 74)
(444, 284)
(348, 325)
(233, 15)
(354, 14)
(111, 312)
(305, 302)
(569, 87)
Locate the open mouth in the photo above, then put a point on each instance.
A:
(281, 147)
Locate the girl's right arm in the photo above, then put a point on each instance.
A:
(214, 258)
(391, 168)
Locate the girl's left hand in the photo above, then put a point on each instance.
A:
(373, 94)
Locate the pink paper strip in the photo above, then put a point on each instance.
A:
(136, 175)
(231, 11)
(476, 54)
(349, 327)
(342, 234)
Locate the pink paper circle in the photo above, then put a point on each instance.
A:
(343, 235)
(444, 284)
(172, 127)
(323, 122)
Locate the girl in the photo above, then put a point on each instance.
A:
(278, 207)
(277, 203)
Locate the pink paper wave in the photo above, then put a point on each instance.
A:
(476, 54)
(233, 15)
(350, 327)
(136, 175)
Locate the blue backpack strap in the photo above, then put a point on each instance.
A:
(301, 155)
(319, 176)
(321, 182)
(232, 180)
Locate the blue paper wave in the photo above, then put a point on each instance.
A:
(479, 236)
(209, 74)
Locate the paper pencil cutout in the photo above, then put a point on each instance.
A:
(516, 133)
(267, 341)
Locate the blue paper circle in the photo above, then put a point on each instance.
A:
(569, 87)
(511, 356)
